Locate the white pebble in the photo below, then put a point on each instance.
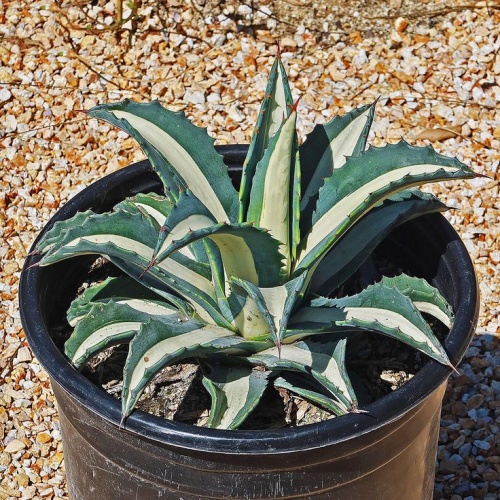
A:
(5, 94)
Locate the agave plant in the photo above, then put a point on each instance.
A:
(232, 279)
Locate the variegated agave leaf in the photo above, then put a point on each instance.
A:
(275, 109)
(274, 204)
(324, 361)
(301, 386)
(326, 148)
(364, 181)
(163, 341)
(121, 290)
(248, 252)
(358, 243)
(131, 238)
(384, 308)
(274, 305)
(235, 392)
(186, 152)
(425, 297)
(110, 323)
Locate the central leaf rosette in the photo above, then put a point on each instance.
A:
(234, 278)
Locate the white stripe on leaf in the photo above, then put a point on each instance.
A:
(102, 334)
(433, 310)
(170, 346)
(336, 154)
(180, 159)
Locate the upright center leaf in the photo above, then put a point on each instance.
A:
(270, 201)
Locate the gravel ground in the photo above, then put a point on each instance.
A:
(435, 68)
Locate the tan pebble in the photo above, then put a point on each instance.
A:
(11, 267)
(4, 459)
(481, 31)
(335, 74)
(6, 492)
(491, 475)
(495, 256)
(87, 40)
(479, 362)
(46, 491)
(55, 460)
(22, 480)
(288, 42)
(14, 446)
(265, 36)
(24, 355)
(461, 380)
(468, 423)
(43, 437)
(400, 24)
(459, 409)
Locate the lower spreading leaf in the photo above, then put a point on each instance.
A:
(235, 391)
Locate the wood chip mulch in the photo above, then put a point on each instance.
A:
(435, 65)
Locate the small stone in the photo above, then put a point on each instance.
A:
(24, 355)
(491, 475)
(56, 459)
(195, 97)
(459, 409)
(5, 94)
(443, 437)
(464, 450)
(462, 489)
(46, 491)
(469, 423)
(11, 267)
(495, 385)
(482, 445)
(475, 401)
(4, 459)
(22, 480)
(461, 380)
(447, 466)
(14, 446)
(495, 257)
(479, 362)
(401, 24)
(87, 40)
(457, 459)
(459, 442)
(265, 36)
(471, 463)
(6, 492)
(43, 438)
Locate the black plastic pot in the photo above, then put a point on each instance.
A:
(388, 453)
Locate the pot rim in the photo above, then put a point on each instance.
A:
(382, 412)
